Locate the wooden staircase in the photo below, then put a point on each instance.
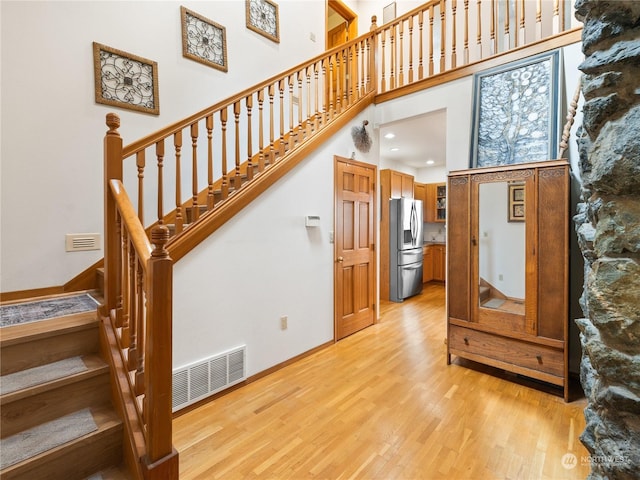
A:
(26, 409)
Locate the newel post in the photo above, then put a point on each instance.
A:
(161, 461)
(112, 170)
(374, 25)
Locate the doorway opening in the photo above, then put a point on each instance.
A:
(342, 24)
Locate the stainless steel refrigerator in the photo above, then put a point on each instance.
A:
(405, 247)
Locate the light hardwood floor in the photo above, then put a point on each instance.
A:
(383, 404)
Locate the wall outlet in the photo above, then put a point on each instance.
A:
(284, 321)
(500, 277)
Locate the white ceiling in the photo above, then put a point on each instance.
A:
(417, 139)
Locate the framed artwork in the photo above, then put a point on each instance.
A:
(516, 202)
(125, 80)
(262, 17)
(515, 112)
(389, 13)
(203, 40)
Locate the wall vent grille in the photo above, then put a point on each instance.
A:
(76, 242)
(201, 379)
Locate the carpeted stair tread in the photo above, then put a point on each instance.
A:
(493, 303)
(44, 437)
(27, 332)
(39, 375)
(19, 313)
(35, 380)
(51, 439)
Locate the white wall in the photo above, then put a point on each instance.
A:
(52, 129)
(234, 287)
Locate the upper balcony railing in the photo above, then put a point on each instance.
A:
(443, 35)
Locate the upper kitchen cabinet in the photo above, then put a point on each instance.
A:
(401, 184)
(420, 193)
(435, 202)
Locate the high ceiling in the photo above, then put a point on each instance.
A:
(415, 140)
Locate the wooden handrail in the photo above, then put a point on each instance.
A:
(239, 147)
(151, 139)
(137, 322)
(137, 234)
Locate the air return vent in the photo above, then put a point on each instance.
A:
(206, 377)
(76, 242)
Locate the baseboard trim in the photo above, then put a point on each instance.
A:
(253, 378)
(28, 294)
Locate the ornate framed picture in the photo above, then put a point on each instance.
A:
(203, 40)
(125, 80)
(262, 17)
(515, 112)
(516, 202)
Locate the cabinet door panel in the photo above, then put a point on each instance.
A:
(427, 265)
(439, 263)
(553, 198)
(458, 238)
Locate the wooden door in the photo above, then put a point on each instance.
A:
(342, 26)
(337, 36)
(355, 266)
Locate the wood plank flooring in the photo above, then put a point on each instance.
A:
(383, 404)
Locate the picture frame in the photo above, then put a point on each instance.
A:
(125, 80)
(389, 13)
(203, 40)
(263, 18)
(516, 203)
(515, 112)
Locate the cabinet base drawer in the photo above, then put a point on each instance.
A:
(508, 353)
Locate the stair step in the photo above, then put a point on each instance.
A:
(77, 458)
(33, 344)
(484, 293)
(33, 404)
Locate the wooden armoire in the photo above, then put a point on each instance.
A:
(508, 268)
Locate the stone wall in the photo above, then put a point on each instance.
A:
(608, 228)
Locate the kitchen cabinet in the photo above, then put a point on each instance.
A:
(401, 184)
(427, 264)
(419, 193)
(441, 202)
(439, 253)
(393, 184)
(435, 202)
(508, 269)
(434, 263)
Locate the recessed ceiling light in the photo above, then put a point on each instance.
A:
(390, 135)
(430, 162)
(394, 149)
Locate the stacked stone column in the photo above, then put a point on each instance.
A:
(608, 228)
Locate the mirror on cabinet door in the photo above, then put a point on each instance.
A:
(501, 246)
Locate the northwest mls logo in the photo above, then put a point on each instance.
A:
(569, 461)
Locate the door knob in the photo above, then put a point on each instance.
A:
(340, 259)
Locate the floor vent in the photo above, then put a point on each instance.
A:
(206, 377)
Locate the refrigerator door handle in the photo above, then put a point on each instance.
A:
(414, 225)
